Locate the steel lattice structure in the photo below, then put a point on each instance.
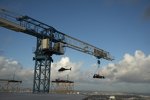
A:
(56, 43)
(10, 85)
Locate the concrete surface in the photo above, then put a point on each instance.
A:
(30, 96)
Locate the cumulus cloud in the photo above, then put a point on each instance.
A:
(9, 68)
(12, 69)
(66, 63)
(131, 69)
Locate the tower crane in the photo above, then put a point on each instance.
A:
(49, 42)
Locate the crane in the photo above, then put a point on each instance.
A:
(49, 42)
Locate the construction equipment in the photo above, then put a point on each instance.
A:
(62, 86)
(10, 85)
(49, 42)
(97, 75)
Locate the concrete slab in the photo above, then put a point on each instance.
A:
(30, 96)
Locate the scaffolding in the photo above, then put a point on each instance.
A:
(10, 85)
(62, 86)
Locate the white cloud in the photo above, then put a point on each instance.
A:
(10, 69)
(132, 68)
(132, 71)
(66, 63)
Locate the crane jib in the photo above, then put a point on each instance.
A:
(38, 29)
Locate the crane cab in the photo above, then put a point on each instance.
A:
(45, 44)
(57, 48)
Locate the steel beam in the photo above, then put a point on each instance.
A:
(41, 82)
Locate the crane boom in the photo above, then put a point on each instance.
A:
(55, 40)
(38, 29)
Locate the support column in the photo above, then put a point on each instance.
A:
(41, 82)
(42, 70)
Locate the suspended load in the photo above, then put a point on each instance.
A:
(97, 75)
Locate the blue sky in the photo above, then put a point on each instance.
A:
(117, 26)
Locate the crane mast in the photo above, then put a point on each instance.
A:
(49, 41)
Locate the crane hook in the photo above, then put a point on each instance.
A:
(98, 62)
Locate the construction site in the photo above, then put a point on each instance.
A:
(49, 43)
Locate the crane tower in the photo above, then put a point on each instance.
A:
(49, 42)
